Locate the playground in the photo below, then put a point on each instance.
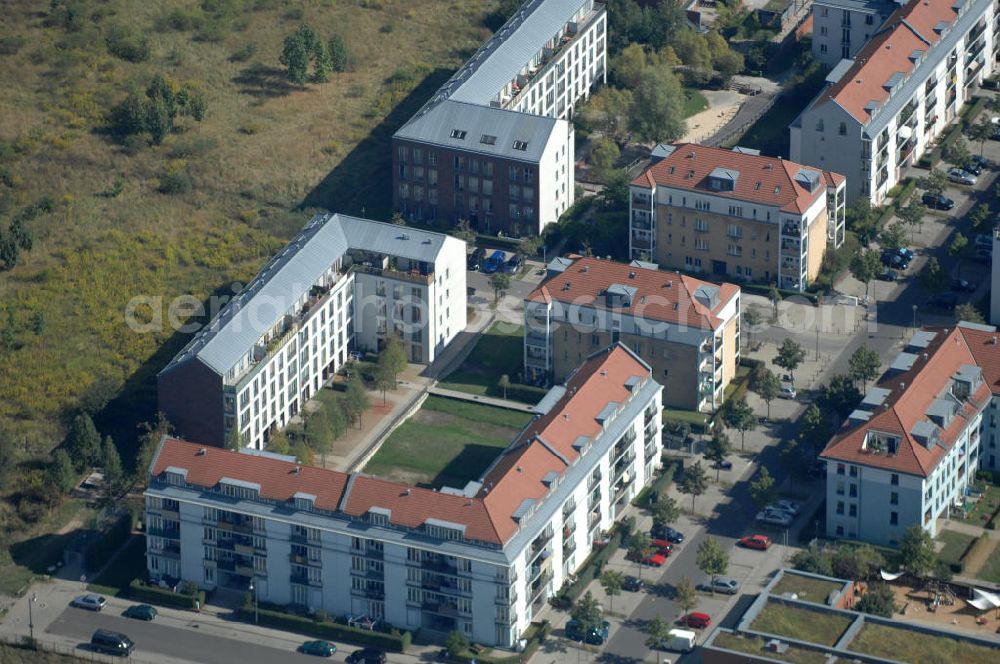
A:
(938, 604)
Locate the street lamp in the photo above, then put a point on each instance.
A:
(31, 618)
(253, 589)
(914, 318)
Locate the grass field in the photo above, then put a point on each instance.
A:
(500, 350)
(14, 655)
(796, 622)
(806, 588)
(911, 646)
(694, 102)
(955, 544)
(446, 443)
(991, 570)
(755, 645)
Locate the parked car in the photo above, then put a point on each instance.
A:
(90, 602)
(494, 262)
(655, 559)
(141, 612)
(663, 546)
(666, 532)
(946, 300)
(983, 255)
(762, 542)
(596, 636)
(725, 464)
(475, 261)
(980, 161)
(112, 643)
(514, 264)
(696, 620)
(894, 259)
(720, 585)
(961, 285)
(787, 391)
(633, 584)
(887, 274)
(937, 201)
(789, 506)
(907, 254)
(985, 241)
(318, 648)
(972, 168)
(960, 176)
(366, 656)
(774, 518)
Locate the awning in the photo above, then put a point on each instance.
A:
(904, 133)
(992, 600)
(889, 576)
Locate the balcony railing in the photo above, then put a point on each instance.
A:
(169, 534)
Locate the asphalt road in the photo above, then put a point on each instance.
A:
(179, 643)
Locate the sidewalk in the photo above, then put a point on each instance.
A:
(489, 401)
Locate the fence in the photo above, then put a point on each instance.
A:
(78, 653)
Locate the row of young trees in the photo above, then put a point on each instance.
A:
(156, 111)
(304, 48)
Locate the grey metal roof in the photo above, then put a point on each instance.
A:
(661, 151)
(645, 265)
(925, 432)
(859, 415)
(721, 173)
(739, 149)
(970, 373)
(808, 178)
(943, 409)
(559, 264)
(922, 339)
(923, 70)
(977, 326)
(437, 124)
(502, 57)
(903, 362)
(550, 399)
(523, 509)
(290, 274)
(707, 295)
(876, 397)
(878, 6)
(607, 412)
(628, 292)
(839, 70)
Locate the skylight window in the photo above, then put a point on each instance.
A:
(458, 133)
(520, 145)
(486, 139)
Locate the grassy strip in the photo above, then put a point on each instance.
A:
(646, 497)
(165, 597)
(534, 636)
(396, 641)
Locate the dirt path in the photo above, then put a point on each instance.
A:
(978, 557)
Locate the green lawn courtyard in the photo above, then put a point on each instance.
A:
(796, 622)
(806, 587)
(446, 443)
(499, 351)
(908, 645)
(955, 544)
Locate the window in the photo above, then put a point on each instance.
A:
(869, 20)
(487, 139)
(893, 518)
(854, 471)
(853, 491)
(840, 507)
(894, 498)
(894, 479)
(853, 510)
(521, 145)
(458, 133)
(822, 31)
(842, 130)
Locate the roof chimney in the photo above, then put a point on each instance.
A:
(993, 340)
(203, 451)
(298, 470)
(406, 491)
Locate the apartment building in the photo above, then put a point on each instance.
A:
(882, 110)
(686, 329)
(481, 559)
(341, 284)
(842, 27)
(737, 214)
(494, 145)
(908, 452)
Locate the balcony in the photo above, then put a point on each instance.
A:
(236, 527)
(439, 565)
(442, 609)
(537, 339)
(642, 243)
(243, 549)
(593, 520)
(441, 585)
(172, 533)
(297, 559)
(569, 508)
(594, 480)
(794, 230)
(507, 601)
(412, 276)
(639, 199)
(300, 579)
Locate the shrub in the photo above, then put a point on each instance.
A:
(174, 181)
(11, 44)
(244, 53)
(178, 20)
(129, 47)
(396, 641)
(164, 596)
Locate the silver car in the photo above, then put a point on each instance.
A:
(89, 602)
(784, 505)
(720, 585)
(775, 518)
(961, 176)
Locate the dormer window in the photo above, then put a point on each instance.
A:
(487, 139)
(521, 145)
(458, 133)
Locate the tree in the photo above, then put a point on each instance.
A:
(711, 559)
(981, 132)
(627, 69)
(612, 581)
(503, 384)
(957, 249)
(740, 416)
(340, 58)
(913, 215)
(969, 313)
(862, 218)
(639, 548)
(878, 600)
(665, 511)
(716, 451)
(916, 551)
(149, 440)
(393, 356)
(295, 54)
(864, 365)
(456, 644)
(279, 443)
(790, 356)
(322, 62)
(657, 112)
(8, 333)
(83, 443)
(500, 283)
(814, 560)
(957, 152)
(762, 489)
(397, 219)
(790, 458)
(694, 482)
(893, 236)
(934, 182)
(112, 464)
(752, 317)
(384, 379)
(608, 112)
(319, 433)
(603, 155)
(981, 217)
(38, 323)
(813, 428)
(933, 278)
(774, 295)
(857, 562)
(841, 396)
(657, 632)
(865, 266)
(61, 473)
(587, 613)
(355, 400)
(684, 594)
(768, 387)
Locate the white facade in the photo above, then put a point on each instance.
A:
(873, 153)
(842, 27)
(428, 577)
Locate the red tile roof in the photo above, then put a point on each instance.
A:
(908, 29)
(487, 517)
(660, 296)
(910, 394)
(762, 180)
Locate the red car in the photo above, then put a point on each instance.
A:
(663, 546)
(696, 620)
(762, 542)
(656, 559)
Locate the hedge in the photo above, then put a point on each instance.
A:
(535, 634)
(593, 565)
(101, 550)
(909, 185)
(398, 641)
(646, 497)
(525, 393)
(164, 596)
(968, 115)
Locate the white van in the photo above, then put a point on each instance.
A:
(681, 640)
